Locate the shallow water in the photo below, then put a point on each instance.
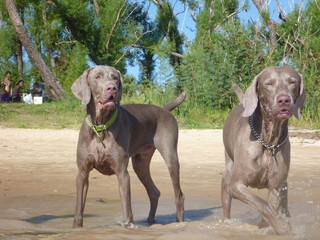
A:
(37, 193)
(51, 216)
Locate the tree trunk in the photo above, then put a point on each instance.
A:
(19, 60)
(19, 54)
(49, 78)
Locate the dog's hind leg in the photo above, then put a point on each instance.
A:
(141, 166)
(171, 158)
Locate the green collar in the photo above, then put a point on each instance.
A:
(103, 127)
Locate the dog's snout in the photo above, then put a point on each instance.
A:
(283, 99)
(112, 88)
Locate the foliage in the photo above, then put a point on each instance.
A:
(301, 44)
(72, 35)
(8, 45)
(212, 16)
(73, 66)
(69, 113)
(168, 24)
(232, 55)
(144, 54)
(94, 29)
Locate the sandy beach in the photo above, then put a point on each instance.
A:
(37, 191)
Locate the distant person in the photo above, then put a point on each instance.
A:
(36, 91)
(16, 92)
(45, 95)
(6, 88)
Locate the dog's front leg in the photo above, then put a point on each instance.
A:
(283, 205)
(125, 196)
(268, 210)
(277, 199)
(82, 184)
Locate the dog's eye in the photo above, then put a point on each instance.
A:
(114, 77)
(292, 81)
(269, 83)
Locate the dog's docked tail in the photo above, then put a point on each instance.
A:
(238, 91)
(176, 102)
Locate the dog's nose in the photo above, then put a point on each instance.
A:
(112, 88)
(283, 99)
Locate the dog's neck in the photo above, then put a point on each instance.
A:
(272, 130)
(99, 117)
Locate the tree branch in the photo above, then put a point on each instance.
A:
(115, 24)
(232, 14)
(262, 6)
(65, 42)
(96, 6)
(177, 54)
(132, 45)
(294, 32)
(282, 13)
(157, 2)
(191, 14)
(171, 53)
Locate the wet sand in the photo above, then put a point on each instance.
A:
(37, 191)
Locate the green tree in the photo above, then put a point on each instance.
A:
(101, 28)
(142, 50)
(7, 47)
(168, 25)
(232, 55)
(214, 13)
(47, 75)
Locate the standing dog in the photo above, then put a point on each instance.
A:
(257, 148)
(111, 134)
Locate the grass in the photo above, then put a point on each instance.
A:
(69, 113)
(54, 115)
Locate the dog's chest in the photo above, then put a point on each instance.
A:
(105, 164)
(268, 171)
(104, 161)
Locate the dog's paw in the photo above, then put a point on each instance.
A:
(127, 224)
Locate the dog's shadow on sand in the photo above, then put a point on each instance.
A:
(45, 218)
(190, 215)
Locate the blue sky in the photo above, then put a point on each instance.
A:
(188, 26)
(252, 14)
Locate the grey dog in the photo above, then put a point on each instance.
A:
(257, 148)
(111, 134)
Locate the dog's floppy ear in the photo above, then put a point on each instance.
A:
(250, 99)
(119, 88)
(80, 88)
(300, 99)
